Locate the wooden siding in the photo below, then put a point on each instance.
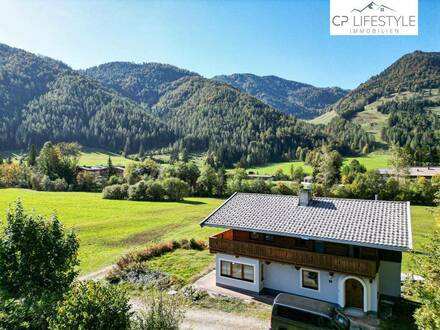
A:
(223, 243)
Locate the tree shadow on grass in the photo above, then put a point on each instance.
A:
(191, 202)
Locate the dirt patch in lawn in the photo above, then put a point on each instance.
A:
(146, 236)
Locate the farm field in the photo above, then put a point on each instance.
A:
(371, 162)
(107, 229)
(91, 156)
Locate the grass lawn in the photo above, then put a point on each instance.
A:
(183, 265)
(371, 162)
(271, 168)
(91, 156)
(423, 220)
(107, 229)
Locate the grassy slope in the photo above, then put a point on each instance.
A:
(324, 118)
(184, 265)
(90, 156)
(108, 229)
(371, 162)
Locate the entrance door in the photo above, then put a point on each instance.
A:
(354, 294)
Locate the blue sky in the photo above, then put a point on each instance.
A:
(285, 38)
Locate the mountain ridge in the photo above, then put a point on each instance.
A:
(292, 97)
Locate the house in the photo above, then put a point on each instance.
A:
(413, 172)
(344, 251)
(100, 171)
(260, 176)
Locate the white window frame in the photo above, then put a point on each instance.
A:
(301, 279)
(234, 278)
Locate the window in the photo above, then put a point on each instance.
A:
(254, 236)
(310, 279)
(248, 273)
(225, 268)
(237, 271)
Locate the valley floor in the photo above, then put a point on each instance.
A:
(108, 229)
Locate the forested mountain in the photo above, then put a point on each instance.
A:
(125, 106)
(77, 108)
(413, 72)
(295, 98)
(211, 115)
(400, 106)
(142, 83)
(23, 77)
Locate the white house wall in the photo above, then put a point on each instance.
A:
(254, 286)
(286, 278)
(389, 273)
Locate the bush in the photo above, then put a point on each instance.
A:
(115, 179)
(116, 191)
(59, 185)
(155, 191)
(36, 255)
(92, 305)
(86, 182)
(165, 313)
(175, 189)
(138, 191)
(197, 245)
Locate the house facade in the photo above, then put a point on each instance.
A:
(100, 171)
(347, 252)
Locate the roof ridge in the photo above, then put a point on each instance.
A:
(322, 197)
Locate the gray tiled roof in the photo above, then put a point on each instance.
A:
(414, 171)
(381, 224)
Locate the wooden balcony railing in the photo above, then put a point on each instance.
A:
(222, 243)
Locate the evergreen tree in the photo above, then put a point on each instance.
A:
(32, 158)
(110, 168)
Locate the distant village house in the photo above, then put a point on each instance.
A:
(100, 171)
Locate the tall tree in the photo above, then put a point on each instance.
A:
(32, 158)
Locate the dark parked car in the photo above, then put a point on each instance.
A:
(296, 312)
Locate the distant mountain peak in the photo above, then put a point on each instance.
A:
(292, 97)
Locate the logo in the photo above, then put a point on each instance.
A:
(374, 18)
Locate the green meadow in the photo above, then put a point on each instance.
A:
(371, 161)
(92, 156)
(108, 229)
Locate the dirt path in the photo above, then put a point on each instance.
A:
(216, 320)
(201, 319)
(98, 275)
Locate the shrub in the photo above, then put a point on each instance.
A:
(115, 179)
(86, 182)
(116, 191)
(175, 188)
(36, 255)
(59, 185)
(92, 305)
(155, 190)
(197, 245)
(165, 313)
(138, 191)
